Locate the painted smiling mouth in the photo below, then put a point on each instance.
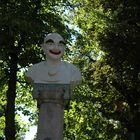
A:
(55, 52)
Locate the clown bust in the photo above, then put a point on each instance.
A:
(54, 70)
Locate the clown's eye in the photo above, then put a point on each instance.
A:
(50, 42)
(61, 43)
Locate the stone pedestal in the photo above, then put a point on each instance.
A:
(51, 100)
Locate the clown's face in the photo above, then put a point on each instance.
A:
(54, 46)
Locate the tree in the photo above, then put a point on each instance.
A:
(111, 28)
(124, 56)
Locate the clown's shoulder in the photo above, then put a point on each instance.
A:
(38, 65)
(71, 66)
(35, 67)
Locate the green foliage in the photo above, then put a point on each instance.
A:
(3, 89)
(108, 54)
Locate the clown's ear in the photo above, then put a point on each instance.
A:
(43, 46)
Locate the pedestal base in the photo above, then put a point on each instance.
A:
(51, 122)
(51, 101)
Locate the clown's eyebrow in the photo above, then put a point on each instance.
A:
(62, 42)
(49, 41)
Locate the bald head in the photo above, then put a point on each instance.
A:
(55, 37)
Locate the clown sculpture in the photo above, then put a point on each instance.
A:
(55, 74)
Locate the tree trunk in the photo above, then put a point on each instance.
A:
(137, 126)
(10, 129)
